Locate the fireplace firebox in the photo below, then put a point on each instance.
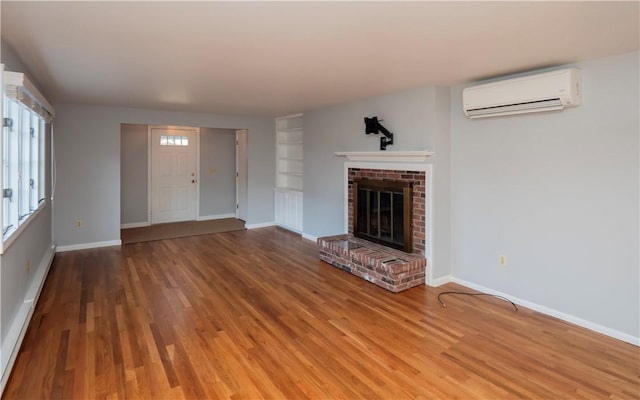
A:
(382, 212)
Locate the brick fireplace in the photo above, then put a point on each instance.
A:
(389, 268)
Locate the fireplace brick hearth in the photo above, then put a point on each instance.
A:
(383, 266)
(391, 269)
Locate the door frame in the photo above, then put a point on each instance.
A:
(150, 167)
(242, 174)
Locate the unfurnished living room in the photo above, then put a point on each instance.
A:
(327, 200)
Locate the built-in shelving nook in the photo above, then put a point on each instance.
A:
(289, 172)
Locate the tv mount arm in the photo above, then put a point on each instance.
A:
(373, 126)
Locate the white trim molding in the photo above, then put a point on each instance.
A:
(435, 282)
(309, 237)
(84, 246)
(416, 156)
(16, 82)
(260, 225)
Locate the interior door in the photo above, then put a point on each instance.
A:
(241, 174)
(174, 177)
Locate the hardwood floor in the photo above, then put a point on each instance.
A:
(255, 314)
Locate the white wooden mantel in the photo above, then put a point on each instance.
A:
(390, 156)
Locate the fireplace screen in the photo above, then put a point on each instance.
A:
(382, 212)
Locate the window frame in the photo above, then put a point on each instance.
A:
(23, 152)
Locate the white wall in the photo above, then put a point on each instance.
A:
(441, 159)
(134, 174)
(217, 172)
(419, 119)
(87, 141)
(557, 193)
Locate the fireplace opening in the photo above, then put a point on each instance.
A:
(382, 212)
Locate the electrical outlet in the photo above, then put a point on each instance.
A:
(78, 223)
(28, 266)
(502, 260)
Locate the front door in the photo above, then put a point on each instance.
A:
(173, 174)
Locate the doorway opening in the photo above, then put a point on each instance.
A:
(198, 183)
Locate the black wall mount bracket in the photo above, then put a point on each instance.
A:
(372, 125)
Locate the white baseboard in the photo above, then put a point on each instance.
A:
(217, 216)
(309, 237)
(135, 225)
(15, 335)
(93, 245)
(439, 281)
(289, 228)
(555, 313)
(260, 225)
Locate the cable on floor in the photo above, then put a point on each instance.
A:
(477, 294)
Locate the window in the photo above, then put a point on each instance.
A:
(171, 140)
(23, 165)
(24, 117)
(10, 145)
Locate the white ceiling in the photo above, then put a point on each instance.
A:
(277, 58)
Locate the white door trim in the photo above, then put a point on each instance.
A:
(242, 172)
(149, 166)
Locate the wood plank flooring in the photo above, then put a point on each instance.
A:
(255, 314)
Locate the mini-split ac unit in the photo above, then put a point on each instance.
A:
(547, 91)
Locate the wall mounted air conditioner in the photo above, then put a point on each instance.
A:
(547, 91)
